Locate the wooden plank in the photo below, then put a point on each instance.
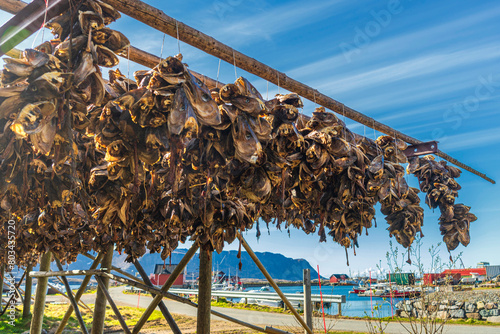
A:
(40, 294)
(72, 300)
(272, 283)
(154, 303)
(204, 292)
(2, 273)
(159, 20)
(307, 298)
(100, 299)
(112, 304)
(91, 272)
(28, 20)
(273, 330)
(163, 308)
(27, 293)
(78, 295)
(13, 6)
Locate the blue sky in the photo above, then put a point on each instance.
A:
(427, 68)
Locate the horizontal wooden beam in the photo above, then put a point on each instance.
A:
(66, 273)
(13, 6)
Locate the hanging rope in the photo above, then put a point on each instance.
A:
(178, 40)
(42, 28)
(218, 71)
(345, 132)
(279, 92)
(162, 44)
(128, 68)
(234, 63)
(267, 91)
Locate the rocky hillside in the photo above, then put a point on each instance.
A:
(278, 265)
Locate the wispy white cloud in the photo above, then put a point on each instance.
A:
(466, 140)
(279, 19)
(412, 68)
(433, 37)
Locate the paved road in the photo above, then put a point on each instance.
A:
(272, 319)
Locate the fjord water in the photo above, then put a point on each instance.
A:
(355, 306)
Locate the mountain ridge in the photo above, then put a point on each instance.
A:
(279, 266)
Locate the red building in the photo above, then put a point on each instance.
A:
(337, 278)
(452, 275)
(162, 273)
(466, 272)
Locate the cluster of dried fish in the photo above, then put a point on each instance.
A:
(44, 97)
(437, 179)
(400, 203)
(149, 163)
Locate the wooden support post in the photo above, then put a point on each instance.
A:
(340, 309)
(112, 304)
(163, 308)
(27, 292)
(272, 283)
(177, 271)
(100, 299)
(72, 300)
(40, 294)
(204, 292)
(307, 298)
(78, 295)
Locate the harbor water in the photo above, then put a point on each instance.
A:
(355, 305)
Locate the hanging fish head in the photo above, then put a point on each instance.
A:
(250, 105)
(247, 89)
(182, 116)
(32, 118)
(247, 146)
(290, 99)
(106, 57)
(229, 92)
(90, 20)
(199, 96)
(172, 70)
(49, 86)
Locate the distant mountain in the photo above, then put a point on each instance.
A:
(278, 265)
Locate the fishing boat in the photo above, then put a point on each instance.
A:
(376, 290)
